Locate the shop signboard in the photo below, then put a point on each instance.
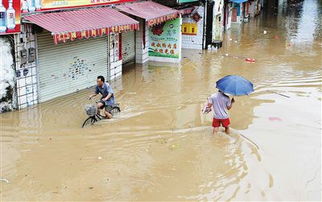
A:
(39, 5)
(190, 28)
(9, 16)
(164, 39)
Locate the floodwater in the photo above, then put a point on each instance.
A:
(161, 147)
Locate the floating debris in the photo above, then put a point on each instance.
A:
(4, 180)
(280, 94)
(250, 60)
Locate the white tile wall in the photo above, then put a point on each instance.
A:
(26, 84)
(115, 69)
(194, 41)
(115, 63)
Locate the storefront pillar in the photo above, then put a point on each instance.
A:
(142, 43)
(115, 59)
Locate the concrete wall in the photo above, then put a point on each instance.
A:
(7, 75)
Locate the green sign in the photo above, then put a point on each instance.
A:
(164, 39)
(186, 1)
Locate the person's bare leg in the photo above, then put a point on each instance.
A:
(99, 106)
(215, 130)
(227, 130)
(107, 114)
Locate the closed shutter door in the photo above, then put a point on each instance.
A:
(71, 66)
(128, 47)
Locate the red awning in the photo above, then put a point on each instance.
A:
(152, 12)
(186, 11)
(84, 23)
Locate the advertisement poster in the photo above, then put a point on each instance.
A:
(38, 5)
(164, 39)
(9, 16)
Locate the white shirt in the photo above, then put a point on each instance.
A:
(220, 102)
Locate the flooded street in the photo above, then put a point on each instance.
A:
(161, 146)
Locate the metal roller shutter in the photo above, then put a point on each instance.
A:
(71, 66)
(128, 47)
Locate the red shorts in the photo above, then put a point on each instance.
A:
(217, 122)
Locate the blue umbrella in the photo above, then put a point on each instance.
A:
(235, 85)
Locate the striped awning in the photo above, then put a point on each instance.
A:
(85, 23)
(186, 11)
(152, 12)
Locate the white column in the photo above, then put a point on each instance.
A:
(142, 46)
(115, 71)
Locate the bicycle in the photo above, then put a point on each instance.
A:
(95, 116)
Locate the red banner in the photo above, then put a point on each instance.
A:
(9, 16)
(71, 36)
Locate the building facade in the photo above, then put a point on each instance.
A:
(50, 50)
(54, 50)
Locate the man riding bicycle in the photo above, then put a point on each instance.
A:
(107, 99)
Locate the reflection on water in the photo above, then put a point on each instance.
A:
(161, 147)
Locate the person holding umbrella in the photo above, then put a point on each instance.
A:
(221, 103)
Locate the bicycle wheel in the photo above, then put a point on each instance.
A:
(115, 110)
(89, 120)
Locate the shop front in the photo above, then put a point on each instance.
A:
(159, 36)
(74, 47)
(238, 11)
(202, 27)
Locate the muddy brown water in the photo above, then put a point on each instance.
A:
(161, 147)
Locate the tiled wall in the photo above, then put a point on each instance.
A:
(194, 41)
(115, 64)
(26, 68)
